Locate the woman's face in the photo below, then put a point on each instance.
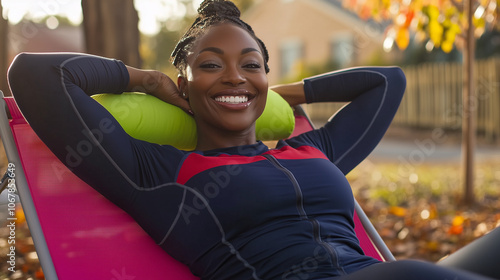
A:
(225, 81)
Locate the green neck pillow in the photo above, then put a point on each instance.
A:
(147, 118)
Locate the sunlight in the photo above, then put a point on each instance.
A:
(16, 10)
(152, 13)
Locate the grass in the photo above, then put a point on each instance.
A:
(420, 213)
(396, 186)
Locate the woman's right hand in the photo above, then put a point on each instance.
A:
(157, 84)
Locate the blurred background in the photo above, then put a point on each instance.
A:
(433, 183)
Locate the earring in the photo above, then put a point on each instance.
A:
(184, 94)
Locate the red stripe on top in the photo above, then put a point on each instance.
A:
(302, 152)
(196, 163)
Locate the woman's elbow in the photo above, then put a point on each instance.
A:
(22, 70)
(21, 65)
(30, 71)
(396, 79)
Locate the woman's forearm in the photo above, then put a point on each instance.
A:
(349, 84)
(33, 73)
(336, 86)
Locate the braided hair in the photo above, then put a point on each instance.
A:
(210, 13)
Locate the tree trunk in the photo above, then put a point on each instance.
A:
(111, 30)
(4, 53)
(469, 108)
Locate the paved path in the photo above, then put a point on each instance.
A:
(427, 150)
(425, 146)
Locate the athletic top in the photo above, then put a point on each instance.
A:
(245, 212)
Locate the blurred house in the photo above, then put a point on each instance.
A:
(28, 36)
(313, 33)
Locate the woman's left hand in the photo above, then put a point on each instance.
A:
(293, 93)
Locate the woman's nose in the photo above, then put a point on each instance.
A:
(233, 76)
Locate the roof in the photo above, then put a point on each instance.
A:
(338, 5)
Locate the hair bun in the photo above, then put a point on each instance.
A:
(220, 8)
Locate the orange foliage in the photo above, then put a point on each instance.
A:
(441, 21)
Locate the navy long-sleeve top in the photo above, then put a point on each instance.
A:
(246, 212)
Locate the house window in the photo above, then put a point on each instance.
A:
(291, 54)
(342, 50)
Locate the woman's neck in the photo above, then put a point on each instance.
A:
(214, 139)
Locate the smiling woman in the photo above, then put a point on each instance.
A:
(224, 65)
(232, 208)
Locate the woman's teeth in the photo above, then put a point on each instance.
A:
(232, 99)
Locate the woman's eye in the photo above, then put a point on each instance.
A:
(209, 66)
(252, 65)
